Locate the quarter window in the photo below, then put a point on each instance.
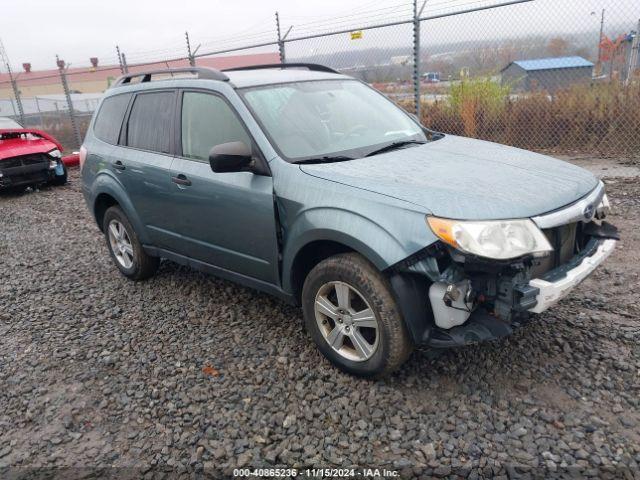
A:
(110, 116)
(207, 120)
(150, 121)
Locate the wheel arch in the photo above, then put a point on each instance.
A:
(308, 256)
(101, 204)
(108, 193)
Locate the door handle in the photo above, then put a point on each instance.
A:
(119, 165)
(181, 180)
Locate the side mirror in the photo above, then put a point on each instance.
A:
(230, 157)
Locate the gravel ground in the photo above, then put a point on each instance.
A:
(186, 373)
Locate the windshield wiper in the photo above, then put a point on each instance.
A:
(326, 159)
(394, 146)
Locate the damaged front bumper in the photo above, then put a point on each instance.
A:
(29, 170)
(557, 284)
(475, 300)
(536, 296)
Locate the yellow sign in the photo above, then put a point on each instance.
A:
(356, 35)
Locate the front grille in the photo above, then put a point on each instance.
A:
(563, 241)
(24, 160)
(10, 163)
(34, 159)
(25, 169)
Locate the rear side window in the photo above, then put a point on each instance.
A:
(109, 119)
(150, 121)
(207, 120)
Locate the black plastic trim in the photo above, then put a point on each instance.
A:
(412, 294)
(201, 72)
(480, 327)
(220, 272)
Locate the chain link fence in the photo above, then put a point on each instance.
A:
(537, 74)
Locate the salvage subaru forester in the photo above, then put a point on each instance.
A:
(308, 184)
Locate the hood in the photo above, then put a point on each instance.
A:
(14, 143)
(466, 179)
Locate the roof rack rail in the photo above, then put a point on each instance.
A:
(201, 72)
(309, 66)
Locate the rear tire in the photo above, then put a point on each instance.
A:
(353, 318)
(125, 248)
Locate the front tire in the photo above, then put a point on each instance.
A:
(125, 248)
(353, 318)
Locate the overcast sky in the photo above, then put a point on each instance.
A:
(37, 30)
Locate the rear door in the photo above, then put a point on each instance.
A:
(144, 161)
(224, 219)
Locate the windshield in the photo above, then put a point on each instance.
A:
(339, 119)
(7, 123)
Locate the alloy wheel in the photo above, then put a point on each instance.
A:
(120, 244)
(346, 321)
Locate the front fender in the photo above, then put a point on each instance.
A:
(357, 232)
(106, 183)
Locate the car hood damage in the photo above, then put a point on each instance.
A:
(17, 142)
(465, 179)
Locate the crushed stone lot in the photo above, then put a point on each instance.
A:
(186, 373)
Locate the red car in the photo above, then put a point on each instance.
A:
(29, 157)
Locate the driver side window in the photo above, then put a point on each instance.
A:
(207, 120)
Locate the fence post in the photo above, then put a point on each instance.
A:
(192, 59)
(120, 60)
(39, 111)
(416, 55)
(635, 53)
(67, 94)
(14, 84)
(124, 63)
(280, 39)
(16, 93)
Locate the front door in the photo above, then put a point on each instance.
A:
(224, 219)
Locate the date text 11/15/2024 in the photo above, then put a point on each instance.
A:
(315, 472)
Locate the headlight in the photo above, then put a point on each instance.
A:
(55, 153)
(498, 239)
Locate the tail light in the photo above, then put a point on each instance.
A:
(83, 156)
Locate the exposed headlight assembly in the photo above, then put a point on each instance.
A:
(55, 153)
(603, 209)
(496, 239)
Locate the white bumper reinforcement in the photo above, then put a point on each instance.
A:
(552, 292)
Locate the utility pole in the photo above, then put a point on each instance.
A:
(14, 85)
(192, 59)
(416, 55)
(599, 62)
(67, 93)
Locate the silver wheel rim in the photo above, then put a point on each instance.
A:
(346, 321)
(120, 244)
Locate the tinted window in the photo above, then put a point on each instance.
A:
(207, 120)
(150, 121)
(110, 116)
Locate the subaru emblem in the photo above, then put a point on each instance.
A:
(588, 211)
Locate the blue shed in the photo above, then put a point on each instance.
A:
(549, 74)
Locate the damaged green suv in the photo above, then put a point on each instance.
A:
(309, 185)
